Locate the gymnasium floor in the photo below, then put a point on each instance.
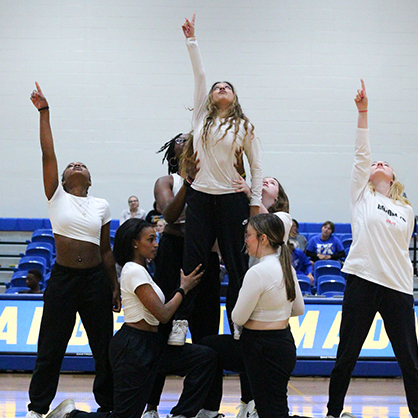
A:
(368, 398)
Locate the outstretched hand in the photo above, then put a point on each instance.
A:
(193, 166)
(361, 99)
(192, 280)
(188, 27)
(38, 98)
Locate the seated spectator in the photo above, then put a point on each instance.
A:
(134, 210)
(298, 240)
(159, 228)
(33, 278)
(325, 246)
(153, 215)
(301, 262)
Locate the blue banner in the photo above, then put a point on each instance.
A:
(316, 333)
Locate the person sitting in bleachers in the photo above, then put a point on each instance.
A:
(301, 262)
(325, 246)
(33, 278)
(134, 210)
(298, 240)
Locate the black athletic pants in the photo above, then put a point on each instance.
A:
(88, 292)
(137, 356)
(362, 300)
(210, 217)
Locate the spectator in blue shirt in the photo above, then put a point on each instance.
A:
(325, 246)
(301, 262)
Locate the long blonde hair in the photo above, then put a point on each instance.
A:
(233, 118)
(396, 191)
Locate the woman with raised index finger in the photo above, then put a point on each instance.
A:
(83, 278)
(215, 210)
(380, 275)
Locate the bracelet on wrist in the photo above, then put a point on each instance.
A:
(181, 291)
(43, 108)
(188, 181)
(362, 111)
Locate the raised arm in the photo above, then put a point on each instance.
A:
(362, 103)
(200, 91)
(49, 159)
(362, 158)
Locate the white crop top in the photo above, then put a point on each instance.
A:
(177, 183)
(263, 294)
(134, 275)
(79, 218)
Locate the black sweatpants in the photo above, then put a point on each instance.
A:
(230, 359)
(269, 358)
(203, 314)
(210, 217)
(137, 356)
(362, 300)
(88, 292)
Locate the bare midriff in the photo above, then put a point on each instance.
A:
(76, 254)
(251, 324)
(143, 326)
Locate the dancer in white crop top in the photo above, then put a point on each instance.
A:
(83, 279)
(138, 351)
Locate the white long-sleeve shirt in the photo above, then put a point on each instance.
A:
(217, 157)
(262, 296)
(382, 229)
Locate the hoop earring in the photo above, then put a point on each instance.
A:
(172, 162)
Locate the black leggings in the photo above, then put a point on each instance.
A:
(137, 356)
(362, 300)
(88, 292)
(210, 217)
(269, 358)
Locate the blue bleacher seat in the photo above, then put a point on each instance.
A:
(331, 285)
(44, 235)
(41, 249)
(33, 262)
(305, 284)
(347, 242)
(18, 278)
(16, 289)
(326, 267)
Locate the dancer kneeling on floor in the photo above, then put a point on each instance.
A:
(269, 295)
(137, 351)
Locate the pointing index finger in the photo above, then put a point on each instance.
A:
(38, 87)
(193, 18)
(363, 86)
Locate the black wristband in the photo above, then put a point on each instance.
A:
(188, 181)
(43, 108)
(181, 291)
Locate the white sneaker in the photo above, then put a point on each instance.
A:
(150, 414)
(237, 335)
(245, 408)
(65, 407)
(178, 333)
(203, 413)
(347, 415)
(33, 414)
